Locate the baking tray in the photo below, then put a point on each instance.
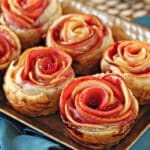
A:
(52, 126)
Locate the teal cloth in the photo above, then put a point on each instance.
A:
(143, 142)
(144, 21)
(15, 136)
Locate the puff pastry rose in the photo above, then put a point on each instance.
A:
(33, 83)
(10, 47)
(130, 59)
(98, 110)
(84, 37)
(29, 19)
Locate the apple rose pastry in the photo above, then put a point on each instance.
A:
(84, 37)
(99, 110)
(9, 47)
(130, 59)
(33, 83)
(29, 19)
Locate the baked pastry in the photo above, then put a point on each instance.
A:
(98, 110)
(130, 59)
(84, 37)
(10, 47)
(29, 19)
(33, 83)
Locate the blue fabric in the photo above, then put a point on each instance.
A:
(144, 21)
(28, 142)
(7, 132)
(143, 142)
(13, 136)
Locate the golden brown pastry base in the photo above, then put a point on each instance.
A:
(139, 87)
(142, 93)
(96, 141)
(34, 105)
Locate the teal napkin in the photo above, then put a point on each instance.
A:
(13, 136)
(144, 21)
(7, 133)
(143, 142)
